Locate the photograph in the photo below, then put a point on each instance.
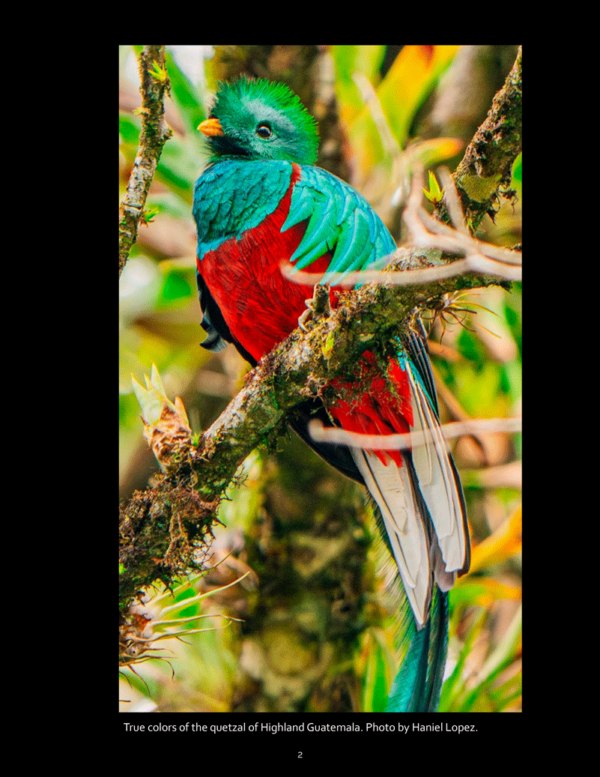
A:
(320, 388)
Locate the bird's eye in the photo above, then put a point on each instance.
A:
(264, 131)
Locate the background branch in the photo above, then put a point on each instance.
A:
(484, 173)
(155, 133)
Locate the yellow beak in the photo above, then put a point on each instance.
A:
(210, 127)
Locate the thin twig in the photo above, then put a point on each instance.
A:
(199, 597)
(409, 440)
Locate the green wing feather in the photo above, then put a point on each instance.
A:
(339, 220)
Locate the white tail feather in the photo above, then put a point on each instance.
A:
(391, 488)
(425, 547)
(436, 480)
(419, 555)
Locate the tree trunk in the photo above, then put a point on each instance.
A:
(309, 547)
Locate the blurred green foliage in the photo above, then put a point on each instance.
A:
(478, 362)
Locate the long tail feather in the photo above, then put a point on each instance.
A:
(403, 526)
(418, 685)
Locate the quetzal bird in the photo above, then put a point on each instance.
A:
(260, 202)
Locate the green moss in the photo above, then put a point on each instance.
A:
(478, 188)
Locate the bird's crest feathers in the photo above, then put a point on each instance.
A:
(262, 119)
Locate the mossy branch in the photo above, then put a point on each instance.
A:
(158, 526)
(155, 133)
(484, 173)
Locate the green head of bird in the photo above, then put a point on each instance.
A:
(260, 119)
